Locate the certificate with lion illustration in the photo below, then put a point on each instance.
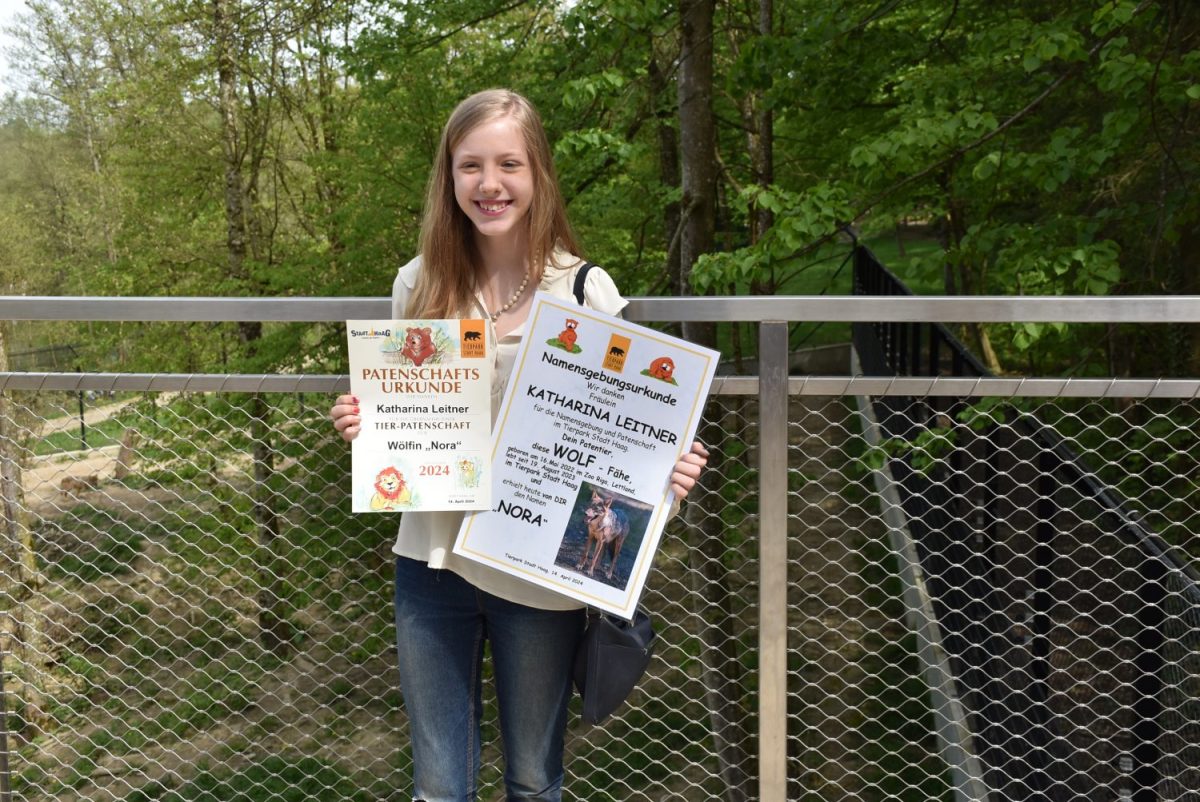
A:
(424, 392)
(595, 415)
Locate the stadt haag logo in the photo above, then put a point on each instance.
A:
(370, 334)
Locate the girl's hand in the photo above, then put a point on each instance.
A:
(687, 470)
(345, 417)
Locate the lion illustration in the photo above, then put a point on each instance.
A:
(662, 368)
(568, 336)
(468, 473)
(418, 345)
(391, 491)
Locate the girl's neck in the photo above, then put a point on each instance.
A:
(502, 259)
(503, 267)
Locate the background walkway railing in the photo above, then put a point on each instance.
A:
(1000, 523)
(189, 608)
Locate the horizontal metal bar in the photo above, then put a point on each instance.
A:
(181, 309)
(239, 383)
(959, 387)
(918, 386)
(956, 309)
(982, 309)
(177, 382)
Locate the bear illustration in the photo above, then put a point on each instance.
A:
(472, 335)
(615, 351)
(418, 345)
(662, 368)
(568, 336)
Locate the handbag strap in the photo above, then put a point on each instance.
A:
(580, 277)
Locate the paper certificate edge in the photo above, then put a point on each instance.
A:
(488, 367)
(633, 593)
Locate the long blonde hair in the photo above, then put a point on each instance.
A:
(446, 282)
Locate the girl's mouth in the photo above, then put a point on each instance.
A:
(492, 208)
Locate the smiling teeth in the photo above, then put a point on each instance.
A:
(493, 207)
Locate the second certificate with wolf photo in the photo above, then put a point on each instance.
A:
(596, 413)
(603, 535)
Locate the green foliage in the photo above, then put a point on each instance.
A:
(278, 778)
(101, 547)
(980, 147)
(1149, 453)
(1044, 151)
(933, 444)
(801, 218)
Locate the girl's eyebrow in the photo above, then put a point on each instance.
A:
(509, 155)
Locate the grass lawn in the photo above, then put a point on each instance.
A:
(105, 433)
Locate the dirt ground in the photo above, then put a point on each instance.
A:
(43, 478)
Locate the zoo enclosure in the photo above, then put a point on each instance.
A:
(795, 620)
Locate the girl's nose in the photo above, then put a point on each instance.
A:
(489, 182)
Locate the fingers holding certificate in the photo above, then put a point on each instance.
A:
(596, 415)
(424, 401)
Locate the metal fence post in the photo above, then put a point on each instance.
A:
(1151, 638)
(772, 559)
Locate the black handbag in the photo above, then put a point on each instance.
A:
(612, 656)
(613, 653)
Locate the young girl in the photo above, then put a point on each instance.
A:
(495, 228)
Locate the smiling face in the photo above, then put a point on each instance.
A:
(493, 182)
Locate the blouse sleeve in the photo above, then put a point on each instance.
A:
(601, 292)
(402, 286)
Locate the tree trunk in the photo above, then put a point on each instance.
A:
(761, 142)
(272, 623)
(274, 630)
(235, 215)
(668, 173)
(20, 579)
(1187, 282)
(956, 228)
(697, 139)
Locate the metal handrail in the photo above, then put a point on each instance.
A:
(882, 386)
(752, 308)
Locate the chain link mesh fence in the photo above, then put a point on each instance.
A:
(189, 611)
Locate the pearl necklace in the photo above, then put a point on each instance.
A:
(513, 300)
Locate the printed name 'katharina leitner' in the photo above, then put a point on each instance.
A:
(420, 409)
(593, 411)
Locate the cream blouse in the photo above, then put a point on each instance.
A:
(429, 536)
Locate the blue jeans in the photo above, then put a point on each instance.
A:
(441, 623)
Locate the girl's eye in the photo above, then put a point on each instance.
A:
(467, 166)
(511, 165)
